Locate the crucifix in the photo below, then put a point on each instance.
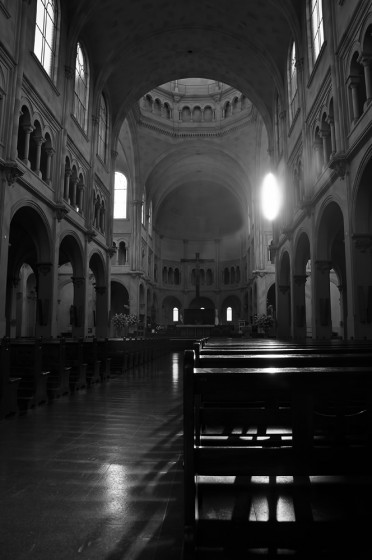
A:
(197, 262)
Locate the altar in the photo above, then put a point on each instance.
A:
(194, 331)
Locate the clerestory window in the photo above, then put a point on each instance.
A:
(46, 34)
(317, 31)
(120, 196)
(81, 87)
(292, 83)
(102, 129)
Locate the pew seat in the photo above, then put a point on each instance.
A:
(255, 437)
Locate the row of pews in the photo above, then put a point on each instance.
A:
(36, 371)
(277, 449)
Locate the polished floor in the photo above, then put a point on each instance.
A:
(97, 476)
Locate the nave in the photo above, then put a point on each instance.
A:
(97, 475)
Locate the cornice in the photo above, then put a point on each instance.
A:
(206, 133)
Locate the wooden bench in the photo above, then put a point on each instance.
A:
(93, 363)
(54, 360)
(8, 385)
(26, 362)
(324, 429)
(74, 358)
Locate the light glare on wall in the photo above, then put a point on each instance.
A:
(270, 197)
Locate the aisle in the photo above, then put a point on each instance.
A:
(98, 475)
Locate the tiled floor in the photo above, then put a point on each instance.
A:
(98, 475)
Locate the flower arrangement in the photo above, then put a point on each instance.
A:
(123, 320)
(264, 322)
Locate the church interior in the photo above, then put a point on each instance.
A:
(173, 173)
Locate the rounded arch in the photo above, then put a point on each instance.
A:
(119, 298)
(301, 253)
(31, 222)
(97, 264)
(71, 250)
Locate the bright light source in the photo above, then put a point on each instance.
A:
(270, 197)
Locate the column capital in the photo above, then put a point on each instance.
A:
(61, 211)
(69, 72)
(338, 163)
(362, 241)
(28, 128)
(352, 81)
(78, 280)
(50, 151)
(365, 59)
(300, 279)
(100, 290)
(114, 154)
(283, 288)
(44, 268)
(12, 173)
(39, 140)
(323, 265)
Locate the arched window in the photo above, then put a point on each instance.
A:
(102, 129)
(175, 314)
(229, 314)
(122, 254)
(143, 209)
(81, 87)
(317, 31)
(150, 219)
(292, 83)
(45, 34)
(120, 197)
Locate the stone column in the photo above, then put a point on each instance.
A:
(217, 279)
(353, 84)
(136, 239)
(367, 65)
(331, 122)
(66, 188)
(45, 302)
(50, 153)
(322, 307)
(80, 197)
(39, 140)
(27, 130)
(324, 135)
(299, 306)
(80, 288)
(284, 311)
(362, 279)
(75, 181)
(317, 148)
(19, 68)
(101, 311)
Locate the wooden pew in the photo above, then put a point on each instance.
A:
(54, 360)
(324, 430)
(90, 357)
(8, 385)
(74, 358)
(26, 362)
(101, 349)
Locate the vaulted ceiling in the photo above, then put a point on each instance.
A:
(134, 46)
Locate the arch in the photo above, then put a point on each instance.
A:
(362, 244)
(81, 89)
(30, 243)
(119, 298)
(330, 254)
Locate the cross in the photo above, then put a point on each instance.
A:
(197, 262)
